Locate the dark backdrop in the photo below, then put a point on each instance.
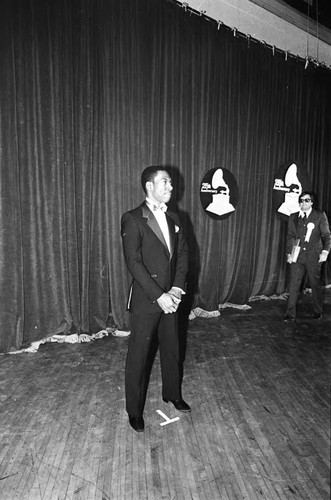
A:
(92, 91)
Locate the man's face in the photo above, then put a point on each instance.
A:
(305, 203)
(159, 190)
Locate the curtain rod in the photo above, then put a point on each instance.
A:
(202, 13)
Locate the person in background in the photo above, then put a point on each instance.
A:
(308, 244)
(156, 255)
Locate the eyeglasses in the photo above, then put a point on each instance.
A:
(305, 200)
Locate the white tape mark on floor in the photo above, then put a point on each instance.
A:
(167, 419)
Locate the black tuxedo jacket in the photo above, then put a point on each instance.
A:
(153, 267)
(320, 237)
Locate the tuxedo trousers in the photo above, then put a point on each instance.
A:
(310, 265)
(145, 330)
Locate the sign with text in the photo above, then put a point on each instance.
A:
(219, 193)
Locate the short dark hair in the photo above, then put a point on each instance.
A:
(149, 174)
(308, 193)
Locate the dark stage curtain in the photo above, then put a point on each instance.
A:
(92, 91)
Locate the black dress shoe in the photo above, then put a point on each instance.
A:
(137, 423)
(179, 404)
(289, 319)
(318, 316)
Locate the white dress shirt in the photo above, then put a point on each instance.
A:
(161, 219)
(302, 213)
(160, 216)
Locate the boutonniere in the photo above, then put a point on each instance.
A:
(310, 227)
(176, 229)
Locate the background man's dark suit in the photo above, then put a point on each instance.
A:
(155, 270)
(308, 259)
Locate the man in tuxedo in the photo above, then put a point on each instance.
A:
(156, 255)
(309, 231)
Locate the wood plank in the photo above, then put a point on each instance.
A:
(259, 426)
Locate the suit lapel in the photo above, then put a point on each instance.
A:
(296, 221)
(171, 226)
(312, 215)
(154, 226)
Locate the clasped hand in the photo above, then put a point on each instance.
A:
(323, 256)
(169, 302)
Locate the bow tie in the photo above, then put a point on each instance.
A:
(162, 207)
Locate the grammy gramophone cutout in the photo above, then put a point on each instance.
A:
(219, 193)
(289, 183)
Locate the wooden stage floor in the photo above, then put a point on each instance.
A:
(259, 426)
